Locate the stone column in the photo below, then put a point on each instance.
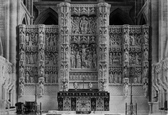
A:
(41, 58)
(13, 25)
(126, 69)
(64, 47)
(7, 26)
(103, 11)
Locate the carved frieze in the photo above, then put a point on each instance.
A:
(83, 9)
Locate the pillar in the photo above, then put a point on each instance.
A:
(103, 45)
(41, 58)
(125, 43)
(7, 27)
(64, 47)
(13, 25)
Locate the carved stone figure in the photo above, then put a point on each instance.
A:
(145, 55)
(126, 38)
(94, 59)
(21, 86)
(83, 25)
(126, 57)
(27, 76)
(132, 41)
(41, 86)
(78, 59)
(83, 56)
(72, 59)
(76, 85)
(146, 37)
(126, 86)
(145, 87)
(90, 86)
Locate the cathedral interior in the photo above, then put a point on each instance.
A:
(102, 57)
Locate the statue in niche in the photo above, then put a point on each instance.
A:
(115, 78)
(126, 57)
(55, 58)
(41, 40)
(137, 59)
(94, 59)
(41, 55)
(83, 56)
(145, 87)
(31, 79)
(46, 59)
(72, 58)
(145, 55)
(76, 86)
(27, 76)
(126, 38)
(83, 25)
(41, 72)
(53, 78)
(41, 86)
(145, 72)
(132, 41)
(146, 37)
(27, 38)
(22, 53)
(126, 86)
(31, 58)
(89, 60)
(139, 78)
(111, 77)
(21, 86)
(78, 60)
(41, 46)
(119, 78)
(46, 77)
(21, 71)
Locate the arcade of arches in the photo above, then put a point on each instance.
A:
(89, 55)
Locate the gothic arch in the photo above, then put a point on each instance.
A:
(142, 20)
(119, 17)
(24, 20)
(48, 14)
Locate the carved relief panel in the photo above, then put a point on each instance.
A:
(83, 44)
(115, 54)
(129, 46)
(39, 54)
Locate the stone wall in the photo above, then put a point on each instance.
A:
(159, 86)
(7, 84)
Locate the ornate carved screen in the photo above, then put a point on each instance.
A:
(128, 53)
(38, 61)
(82, 49)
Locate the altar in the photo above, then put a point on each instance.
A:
(83, 100)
